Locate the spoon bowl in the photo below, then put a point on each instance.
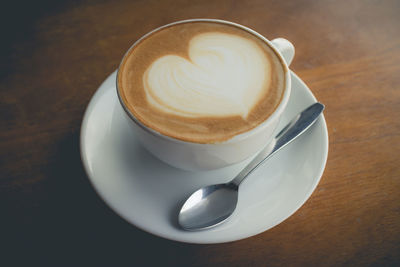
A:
(209, 206)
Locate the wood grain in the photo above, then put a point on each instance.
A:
(55, 54)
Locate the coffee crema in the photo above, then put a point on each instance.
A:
(202, 82)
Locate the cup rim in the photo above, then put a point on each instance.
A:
(239, 137)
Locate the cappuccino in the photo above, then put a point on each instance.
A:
(201, 81)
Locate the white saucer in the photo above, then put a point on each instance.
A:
(148, 193)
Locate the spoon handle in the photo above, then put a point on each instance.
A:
(293, 129)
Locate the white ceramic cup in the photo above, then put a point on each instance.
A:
(195, 156)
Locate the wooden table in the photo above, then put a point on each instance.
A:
(54, 57)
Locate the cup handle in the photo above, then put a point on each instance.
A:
(286, 49)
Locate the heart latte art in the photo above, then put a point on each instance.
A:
(202, 82)
(224, 75)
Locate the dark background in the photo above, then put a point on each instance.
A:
(55, 54)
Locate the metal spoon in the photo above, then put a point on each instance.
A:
(213, 204)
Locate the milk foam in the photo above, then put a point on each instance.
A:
(224, 75)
